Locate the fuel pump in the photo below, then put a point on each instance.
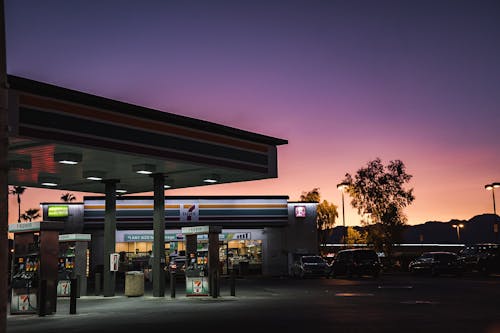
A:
(65, 268)
(34, 267)
(197, 283)
(202, 266)
(25, 278)
(73, 263)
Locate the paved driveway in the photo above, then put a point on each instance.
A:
(391, 303)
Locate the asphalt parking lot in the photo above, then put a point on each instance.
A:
(391, 303)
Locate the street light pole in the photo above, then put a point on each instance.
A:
(491, 187)
(458, 227)
(4, 188)
(342, 187)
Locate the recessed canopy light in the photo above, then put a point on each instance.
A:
(68, 158)
(94, 175)
(211, 179)
(144, 169)
(49, 181)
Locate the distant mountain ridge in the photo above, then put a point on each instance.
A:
(479, 229)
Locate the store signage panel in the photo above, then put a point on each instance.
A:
(242, 235)
(58, 211)
(138, 238)
(172, 237)
(150, 237)
(75, 237)
(190, 212)
(300, 211)
(114, 259)
(25, 226)
(195, 230)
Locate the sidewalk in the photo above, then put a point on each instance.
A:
(121, 313)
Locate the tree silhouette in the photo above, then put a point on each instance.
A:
(68, 197)
(326, 215)
(31, 214)
(18, 191)
(377, 191)
(355, 237)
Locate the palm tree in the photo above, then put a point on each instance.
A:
(31, 214)
(18, 190)
(68, 197)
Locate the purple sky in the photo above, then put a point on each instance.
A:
(344, 81)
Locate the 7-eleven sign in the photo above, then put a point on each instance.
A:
(189, 212)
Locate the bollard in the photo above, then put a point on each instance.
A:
(233, 282)
(72, 296)
(78, 285)
(217, 283)
(213, 286)
(97, 284)
(42, 298)
(172, 284)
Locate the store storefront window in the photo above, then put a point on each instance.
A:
(245, 255)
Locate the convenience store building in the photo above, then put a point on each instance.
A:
(263, 232)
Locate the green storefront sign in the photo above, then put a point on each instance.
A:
(58, 211)
(179, 237)
(148, 237)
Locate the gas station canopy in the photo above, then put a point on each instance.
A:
(65, 139)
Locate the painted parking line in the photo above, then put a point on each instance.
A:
(353, 294)
(419, 302)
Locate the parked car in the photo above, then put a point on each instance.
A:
(489, 262)
(177, 265)
(436, 263)
(472, 255)
(308, 266)
(358, 262)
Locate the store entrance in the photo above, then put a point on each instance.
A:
(245, 256)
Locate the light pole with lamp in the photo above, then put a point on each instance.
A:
(342, 187)
(491, 187)
(458, 227)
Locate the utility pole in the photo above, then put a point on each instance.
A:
(4, 201)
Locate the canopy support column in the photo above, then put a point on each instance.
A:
(159, 236)
(109, 237)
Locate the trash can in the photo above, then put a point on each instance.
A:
(134, 283)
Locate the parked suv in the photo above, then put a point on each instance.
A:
(489, 262)
(355, 262)
(436, 263)
(474, 257)
(306, 266)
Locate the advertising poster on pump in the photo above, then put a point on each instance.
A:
(196, 286)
